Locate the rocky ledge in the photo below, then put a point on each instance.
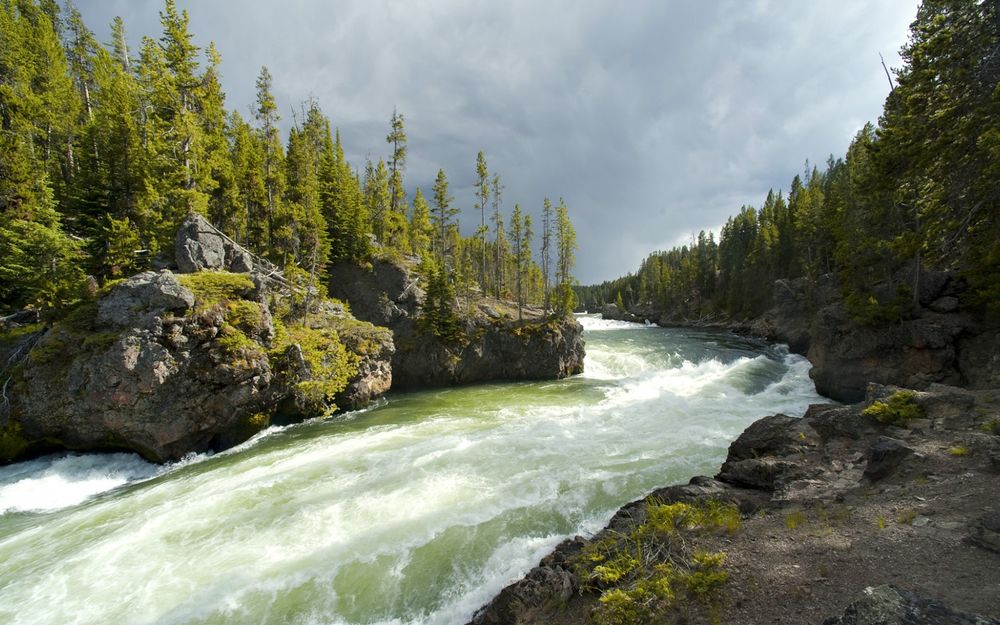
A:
(945, 338)
(166, 364)
(880, 512)
(490, 344)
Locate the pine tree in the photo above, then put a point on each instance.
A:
(566, 258)
(482, 196)
(266, 113)
(421, 228)
(442, 215)
(397, 164)
(501, 249)
(546, 250)
(520, 238)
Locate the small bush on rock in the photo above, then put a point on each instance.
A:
(644, 575)
(898, 409)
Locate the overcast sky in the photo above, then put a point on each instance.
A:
(653, 119)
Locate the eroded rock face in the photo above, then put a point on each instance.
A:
(200, 245)
(494, 348)
(936, 343)
(140, 374)
(143, 369)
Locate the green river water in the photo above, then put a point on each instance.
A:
(417, 510)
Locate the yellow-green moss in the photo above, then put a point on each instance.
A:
(898, 409)
(213, 287)
(958, 451)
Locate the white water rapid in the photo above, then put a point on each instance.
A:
(415, 511)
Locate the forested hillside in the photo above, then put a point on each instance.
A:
(104, 150)
(920, 190)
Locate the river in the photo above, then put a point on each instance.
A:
(417, 510)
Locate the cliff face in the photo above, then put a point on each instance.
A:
(492, 344)
(166, 364)
(937, 342)
(890, 500)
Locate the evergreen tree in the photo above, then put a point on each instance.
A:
(482, 196)
(565, 300)
(520, 238)
(266, 113)
(546, 250)
(442, 215)
(421, 229)
(501, 249)
(397, 164)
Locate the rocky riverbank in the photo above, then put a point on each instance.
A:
(945, 339)
(880, 512)
(204, 354)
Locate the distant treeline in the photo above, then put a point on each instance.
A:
(921, 190)
(103, 152)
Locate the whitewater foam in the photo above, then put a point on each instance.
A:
(56, 482)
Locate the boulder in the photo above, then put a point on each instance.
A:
(884, 456)
(200, 245)
(769, 436)
(889, 605)
(142, 298)
(985, 532)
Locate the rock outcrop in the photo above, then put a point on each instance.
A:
(136, 371)
(937, 342)
(165, 365)
(492, 344)
(199, 245)
(832, 503)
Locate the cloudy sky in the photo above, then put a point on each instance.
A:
(652, 118)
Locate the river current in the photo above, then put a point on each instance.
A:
(417, 510)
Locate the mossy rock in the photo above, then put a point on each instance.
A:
(215, 287)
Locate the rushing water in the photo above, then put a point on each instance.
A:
(415, 511)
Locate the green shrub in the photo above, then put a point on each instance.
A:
(958, 451)
(651, 571)
(900, 408)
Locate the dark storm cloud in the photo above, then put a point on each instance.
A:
(652, 119)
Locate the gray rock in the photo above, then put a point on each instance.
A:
(884, 456)
(985, 532)
(143, 297)
(770, 436)
(888, 605)
(200, 245)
